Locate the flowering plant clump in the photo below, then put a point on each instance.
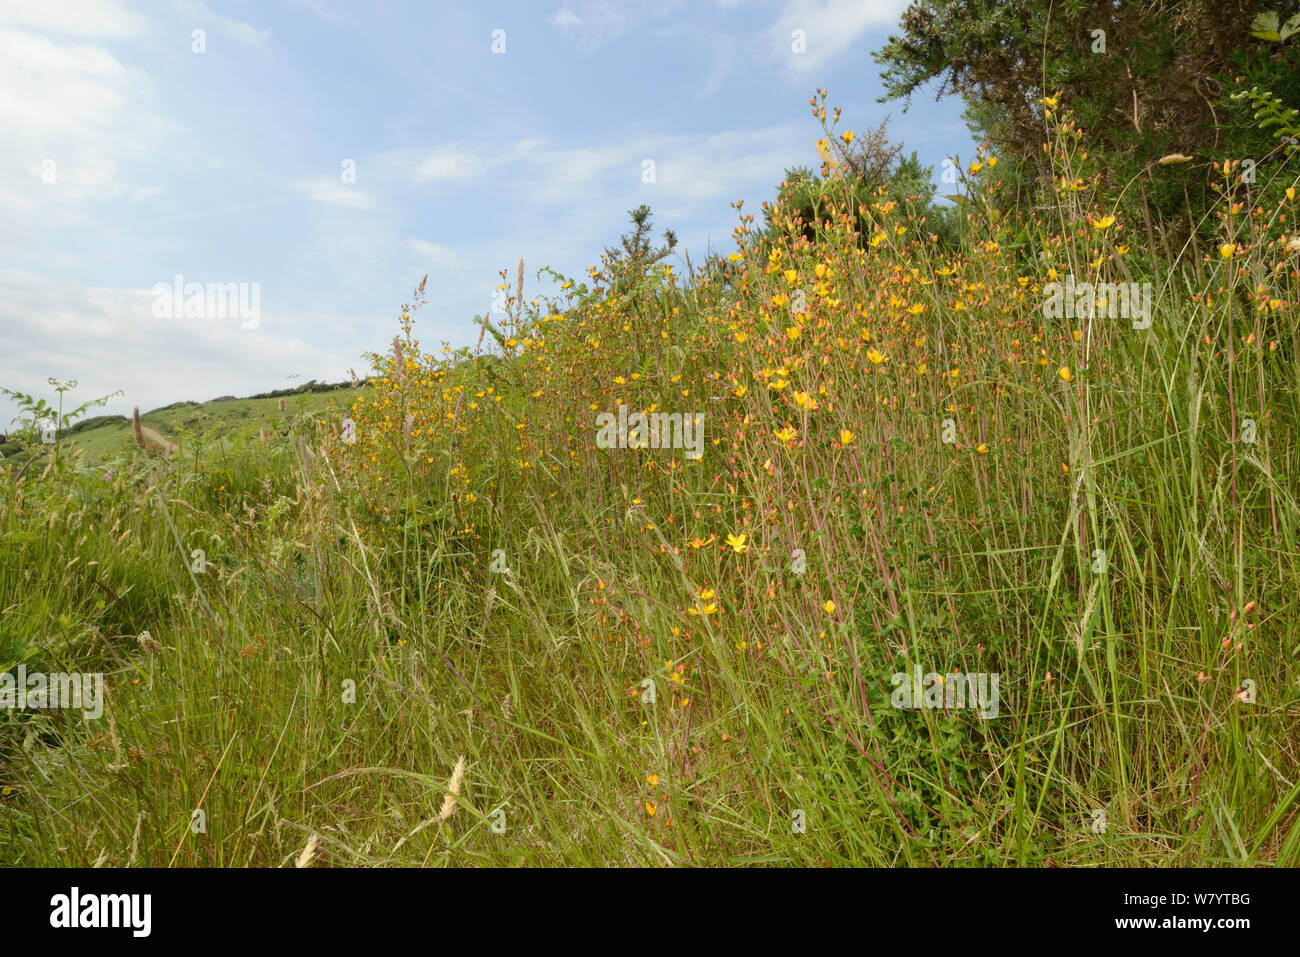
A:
(912, 438)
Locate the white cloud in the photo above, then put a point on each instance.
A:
(452, 164)
(107, 339)
(830, 27)
(76, 18)
(687, 168)
(237, 30)
(71, 113)
(315, 7)
(435, 255)
(724, 165)
(334, 192)
(421, 166)
(722, 51)
(551, 176)
(591, 24)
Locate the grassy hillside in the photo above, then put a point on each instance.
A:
(450, 624)
(196, 424)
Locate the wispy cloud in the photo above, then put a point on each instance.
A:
(95, 334)
(316, 7)
(422, 166)
(237, 30)
(542, 174)
(722, 53)
(71, 113)
(333, 192)
(590, 24)
(431, 254)
(830, 27)
(74, 18)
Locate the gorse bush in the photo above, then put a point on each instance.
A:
(972, 455)
(1146, 79)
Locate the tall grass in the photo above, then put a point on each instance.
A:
(610, 674)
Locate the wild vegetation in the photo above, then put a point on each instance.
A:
(433, 622)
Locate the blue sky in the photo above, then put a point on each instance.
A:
(128, 158)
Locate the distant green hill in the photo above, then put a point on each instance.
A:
(185, 423)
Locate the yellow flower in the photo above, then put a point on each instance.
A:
(786, 435)
(707, 608)
(828, 606)
(650, 808)
(845, 436)
(1064, 373)
(1078, 334)
(805, 401)
(1104, 223)
(737, 542)
(791, 276)
(652, 778)
(1227, 249)
(847, 136)
(876, 357)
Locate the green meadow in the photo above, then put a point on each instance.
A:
(988, 557)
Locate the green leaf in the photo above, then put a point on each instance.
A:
(1264, 27)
